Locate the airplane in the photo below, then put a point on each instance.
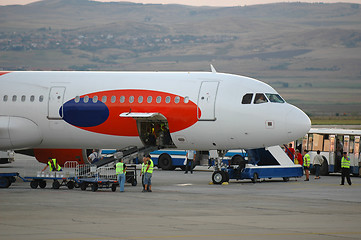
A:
(62, 113)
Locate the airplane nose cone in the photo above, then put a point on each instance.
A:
(297, 124)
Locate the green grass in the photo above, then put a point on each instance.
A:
(336, 120)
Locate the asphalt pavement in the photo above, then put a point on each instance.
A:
(182, 206)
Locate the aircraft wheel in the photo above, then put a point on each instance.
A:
(4, 182)
(217, 177)
(42, 184)
(255, 177)
(95, 187)
(34, 184)
(56, 184)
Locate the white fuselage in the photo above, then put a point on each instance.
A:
(203, 110)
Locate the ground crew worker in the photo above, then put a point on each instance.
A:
(306, 165)
(148, 175)
(120, 170)
(53, 165)
(345, 169)
(142, 171)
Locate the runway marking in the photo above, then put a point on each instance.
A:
(220, 235)
(184, 184)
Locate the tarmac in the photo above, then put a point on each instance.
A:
(182, 206)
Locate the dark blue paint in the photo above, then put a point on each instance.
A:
(85, 114)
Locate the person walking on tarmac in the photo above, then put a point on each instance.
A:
(306, 165)
(120, 169)
(189, 161)
(317, 162)
(53, 165)
(345, 169)
(148, 174)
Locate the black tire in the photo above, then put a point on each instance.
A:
(114, 187)
(165, 161)
(42, 184)
(255, 177)
(95, 187)
(134, 182)
(217, 177)
(83, 186)
(34, 184)
(56, 184)
(4, 182)
(324, 167)
(70, 184)
(226, 176)
(286, 179)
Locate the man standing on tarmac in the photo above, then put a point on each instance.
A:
(345, 169)
(306, 165)
(120, 169)
(317, 162)
(148, 174)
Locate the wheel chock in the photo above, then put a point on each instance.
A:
(210, 183)
(224, 183)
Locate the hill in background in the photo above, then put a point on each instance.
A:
(311, 53)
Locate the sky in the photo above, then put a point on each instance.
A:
(197, 2)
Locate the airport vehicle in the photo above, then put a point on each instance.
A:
(270, 162)
(7, 156)
(331, 143)
(59, 114)
(6, 179)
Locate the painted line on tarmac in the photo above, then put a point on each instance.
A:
(219, 235)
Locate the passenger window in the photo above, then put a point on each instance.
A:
(131, 99)
(5, 98)
(113, 99)
(41, 98)
(274, 98)
(23, 98)
(140, 99)
(122, 99)
(177, 99)
(32, 98)
(149, 99)
(104, 99)
(14, 98)
(260, 98)
(77, 99)
(167, 99)
(186, 99)
(86, 99)
(247, 99)
(95, 99)
(159, 99)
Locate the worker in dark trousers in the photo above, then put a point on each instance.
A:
(345, 169)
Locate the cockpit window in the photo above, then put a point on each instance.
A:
(247, 99)
(260, 98)
(275, 98)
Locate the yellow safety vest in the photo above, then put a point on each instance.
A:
(144, 166)
(306, 160)
(151, 166)
(52, 163)
(345, 162)
(119, 168)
